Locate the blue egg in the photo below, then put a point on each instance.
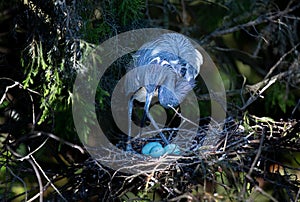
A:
(157, 151)
(172, 149)
(147, 148)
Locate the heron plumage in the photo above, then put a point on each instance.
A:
(171, 50)
(149, 77)
(174, 96)
(163, 68)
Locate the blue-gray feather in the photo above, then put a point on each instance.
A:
(171, 50)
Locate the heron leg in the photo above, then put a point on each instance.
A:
(146, 110)
(130, 108)
(143, 120)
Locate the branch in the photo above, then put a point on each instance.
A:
(257, 21)
(265, 84)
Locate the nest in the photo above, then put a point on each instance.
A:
(253, 159)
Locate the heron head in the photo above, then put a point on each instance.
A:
(167, 97)
(174, 96)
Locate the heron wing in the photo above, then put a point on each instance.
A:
(171, 50)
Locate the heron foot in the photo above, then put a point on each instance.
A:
(163, 137)
(130, 149)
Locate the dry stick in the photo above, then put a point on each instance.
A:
(34, 163)
(257, 155)
(156, 164)
(295, 108)
(6, 90)
(185, 119)
(184, 196)
(174, 116)
(280, 60)
(248, 176)
(38, 133)
(257, 21)
(225, 143)
(257, 188)
(31, 153)
(267, 83)
(33, 112)
(22, 181)
(47, 178)
(16, 83)
(298, 194)
(38, 176)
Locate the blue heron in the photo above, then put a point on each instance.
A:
(164, 68)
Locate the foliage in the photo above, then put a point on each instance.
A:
(279, 96)
(127, 15)
(51, 60)
(106, 18)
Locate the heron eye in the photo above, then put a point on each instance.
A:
(183, 71)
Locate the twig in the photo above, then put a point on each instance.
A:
(22, 181)
(18, 83)
(257, 188)
(38, 133)
(185, 119)
(47, 178)
(38, 176)
(280, 60)
(266, 83)
(295, 108)
(187, 197)
(258, 154)
(6, 90)
(298, 194)
(257, 21)
(30, 154)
